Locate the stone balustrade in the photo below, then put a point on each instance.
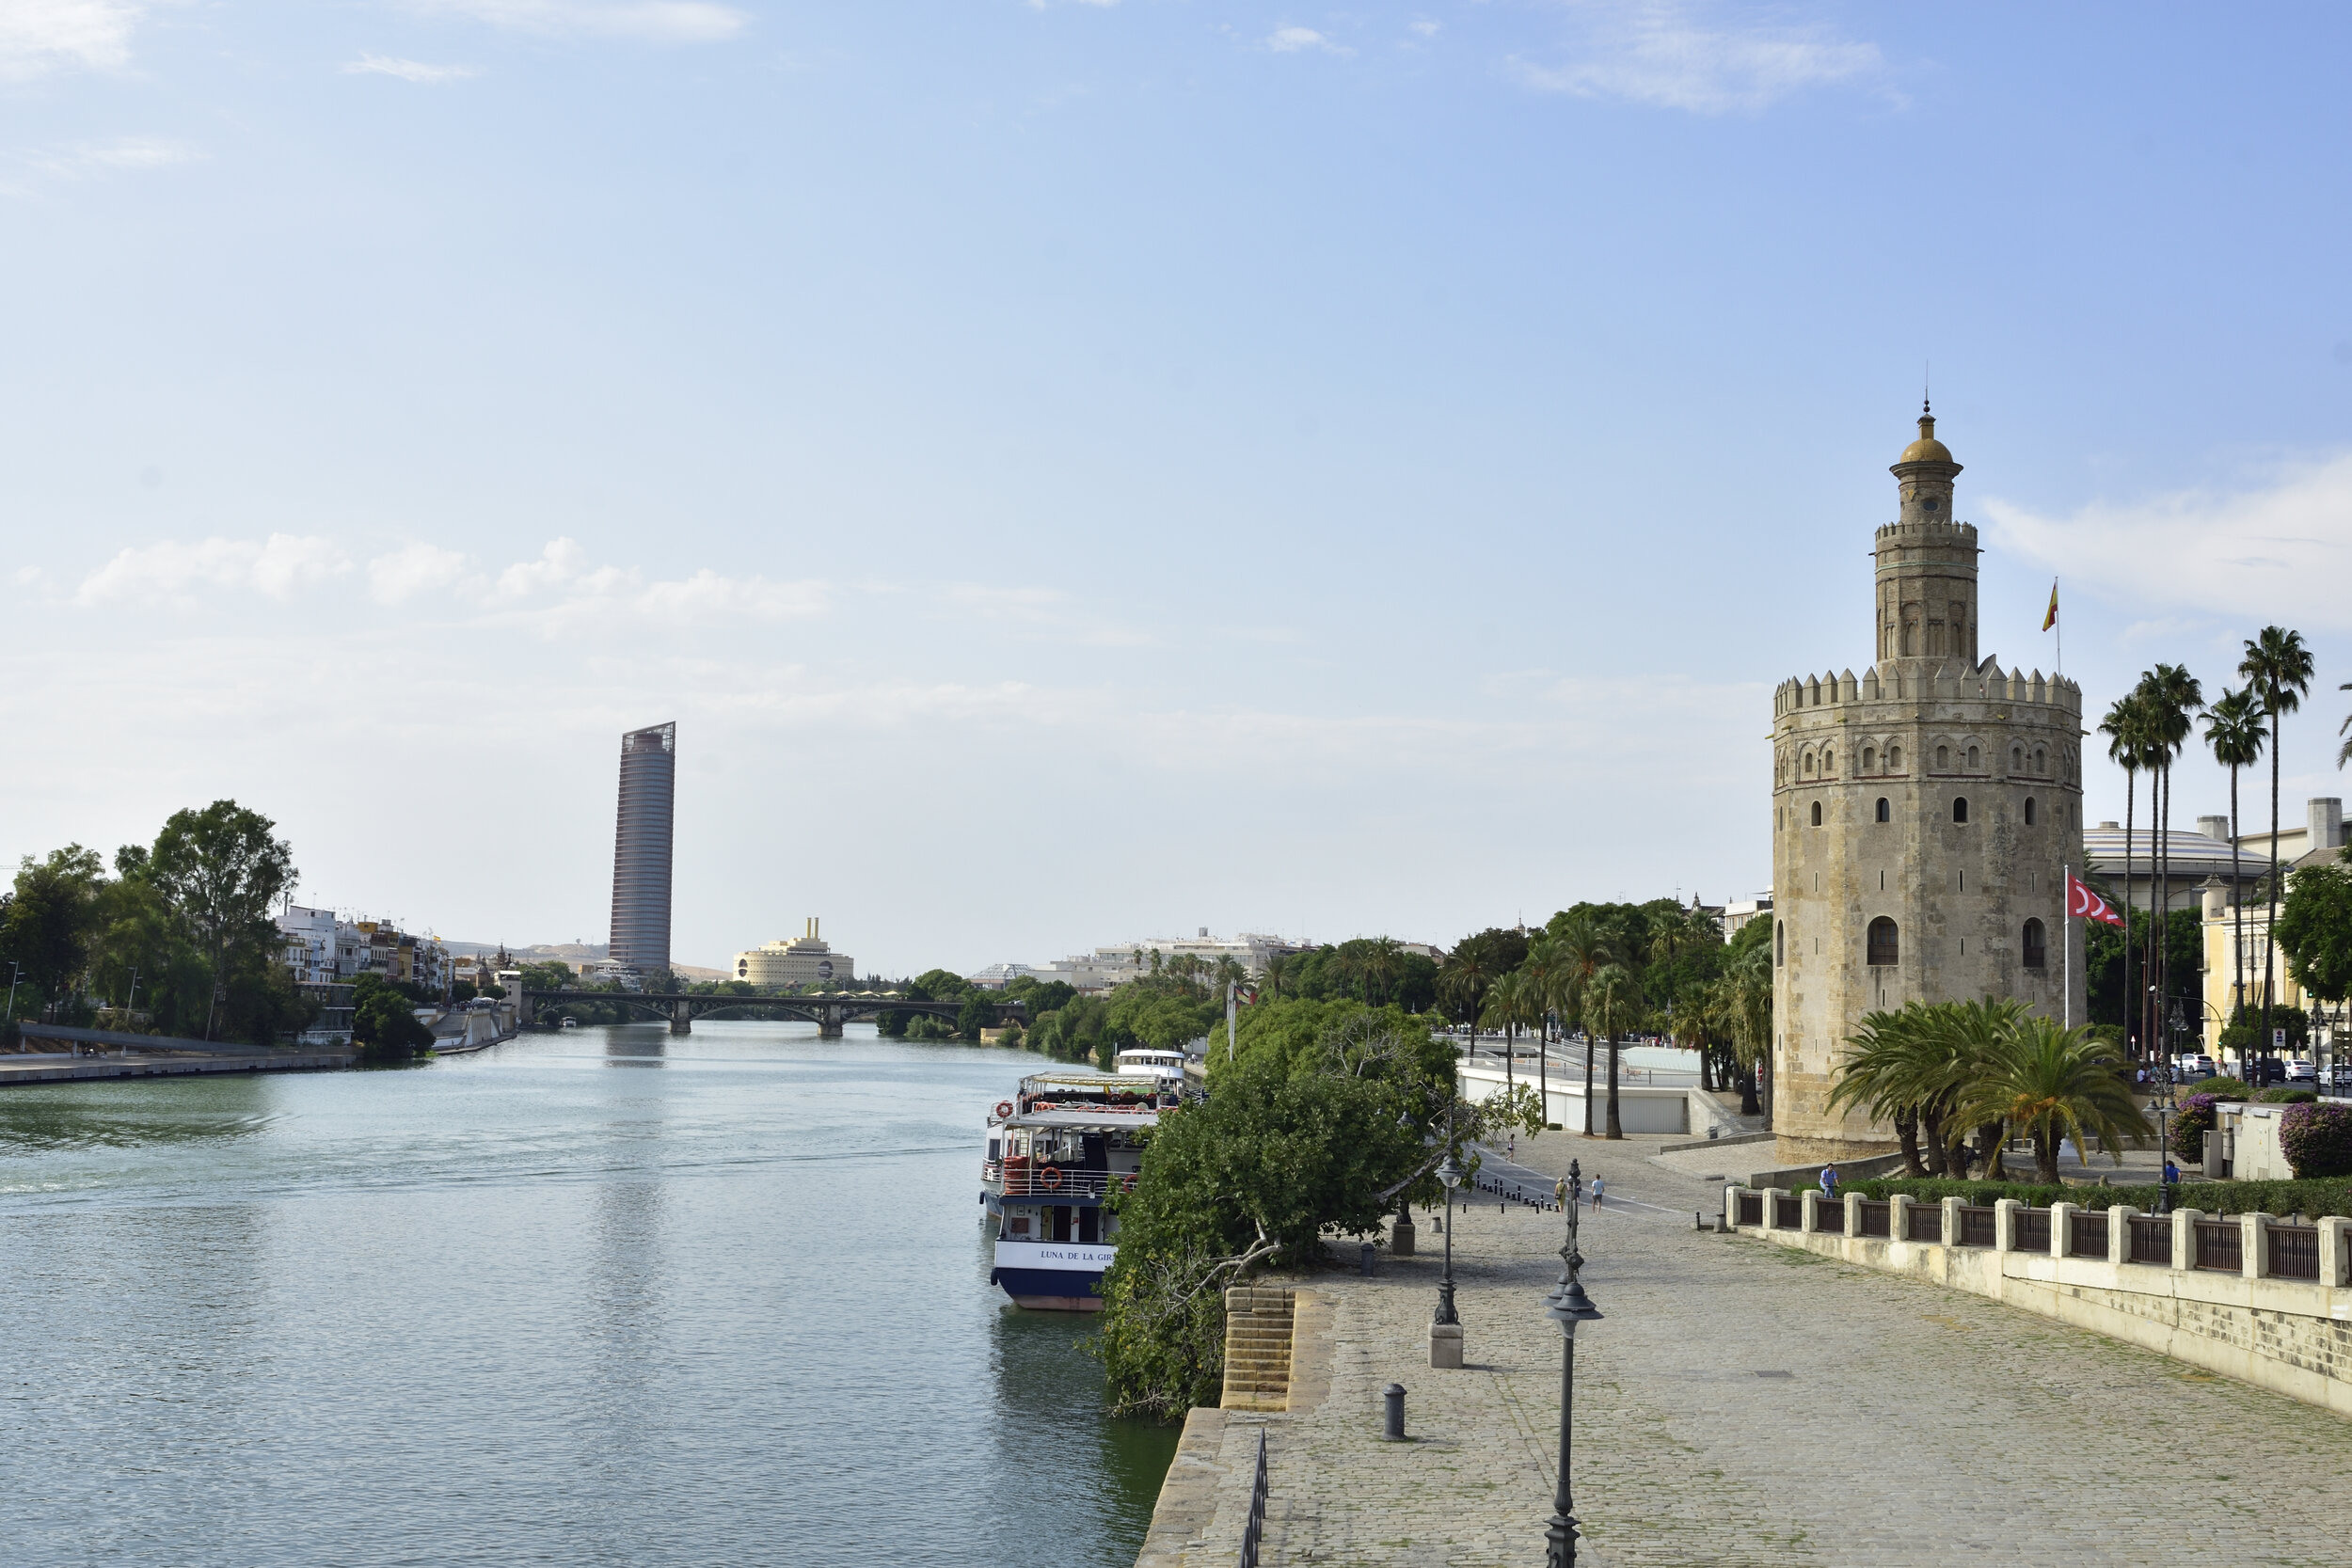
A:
(2252, 1296)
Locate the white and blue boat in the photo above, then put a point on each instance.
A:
(1057, 1153)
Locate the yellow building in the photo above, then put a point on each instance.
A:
(807, 962)
(2226, 982)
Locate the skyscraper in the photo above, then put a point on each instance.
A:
(640, 848)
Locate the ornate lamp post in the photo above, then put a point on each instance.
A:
(2164, 1110)
(1450, 1174)
(1568, 1306)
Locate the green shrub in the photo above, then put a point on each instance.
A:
(2281, 1095)
(2317, 1140)
(2223, 1088)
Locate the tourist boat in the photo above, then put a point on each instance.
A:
(1064, 1146)
(1142, 1059)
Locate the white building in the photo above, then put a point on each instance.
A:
(1117, 962)
(804, 961)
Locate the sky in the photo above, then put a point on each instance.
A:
(1080, 471)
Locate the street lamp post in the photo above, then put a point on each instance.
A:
(1568, 1306)
(1450, 1174)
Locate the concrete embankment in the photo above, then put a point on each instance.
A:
(61, 1054)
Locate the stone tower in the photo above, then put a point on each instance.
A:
(1921, 819)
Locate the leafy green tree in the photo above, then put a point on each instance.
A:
(974, 1015)
(2054, 1082)
(2315, 930)
(223, 875)
(50, 921)
(383, 1023)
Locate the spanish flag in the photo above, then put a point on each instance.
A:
(2051, 620)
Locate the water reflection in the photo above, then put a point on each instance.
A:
(128, 1114)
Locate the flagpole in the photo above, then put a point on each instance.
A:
(2066, 951)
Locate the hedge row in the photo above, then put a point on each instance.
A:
(2329, 1197)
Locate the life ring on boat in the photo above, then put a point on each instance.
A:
(1127, 1183)
(1050, 1177)
(1004, 1109)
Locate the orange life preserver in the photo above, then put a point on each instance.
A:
(1051, 1177)
(1004, 1109)
(1127, 1183)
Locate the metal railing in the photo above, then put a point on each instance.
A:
(1876, 1218)
(1253, 1533)
(2295, 1251)
(1022, 1180)
(1976, 1226)
(1787, 1212)
(1750, 1209)
(2087, 1236)
(2220, 1246)
(2032, 1233)
(2151, 1241)
(1923, 1222)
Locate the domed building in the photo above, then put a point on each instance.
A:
(1922, 817)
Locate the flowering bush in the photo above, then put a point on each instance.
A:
(2317, 1139)
(2190, 1124)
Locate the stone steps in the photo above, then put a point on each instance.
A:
(1258, 1327)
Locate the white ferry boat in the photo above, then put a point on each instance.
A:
(1058, 1151)
(1140, 1060)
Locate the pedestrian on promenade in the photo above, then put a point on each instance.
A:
(1560, 1191)
(2171, 1172)
(1829, 1183)
(1601, 1184)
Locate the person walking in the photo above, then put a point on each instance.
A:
(1601, 1184)
(1829, 1183)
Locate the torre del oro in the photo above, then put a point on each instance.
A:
(1922, 816)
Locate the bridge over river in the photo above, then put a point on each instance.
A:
(827, 1010)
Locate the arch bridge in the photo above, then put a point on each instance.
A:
(828, 1010)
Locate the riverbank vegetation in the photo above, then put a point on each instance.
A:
(180, 939)
(1327, 1117)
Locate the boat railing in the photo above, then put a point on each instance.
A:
(1026, 1181)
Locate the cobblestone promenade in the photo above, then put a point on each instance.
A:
(1745, 1403)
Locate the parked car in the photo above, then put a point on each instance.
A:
(2195, 1065)
(2301, 1072)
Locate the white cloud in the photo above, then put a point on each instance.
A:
(1675, 55)
(1291, 41)
(561, 592)
(654, 21)
(2280, 551)
(407, 71)
(412, 570)
(276, 568)
(1425, 28)
(123, 155)
(41, 36)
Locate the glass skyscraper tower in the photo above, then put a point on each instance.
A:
(640, 848)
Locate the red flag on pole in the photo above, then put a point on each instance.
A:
(2082, 902)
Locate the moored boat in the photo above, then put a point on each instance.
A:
(1059, 1153)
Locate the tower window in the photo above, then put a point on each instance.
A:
(1780, 944)
(1973, 764)
(2041, 761)
(2037, 946)
(1885, 812)
(1894, 757)
(1869, 759)
(2016, 759)
(2029, 811)
(1884, 943)
(1942, 758)
(1808, 765)
(1817, 814)
(1829, 760)
(1959, 808)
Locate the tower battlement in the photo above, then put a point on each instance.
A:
(1943, 683)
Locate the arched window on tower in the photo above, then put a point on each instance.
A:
(1894, 759)
(1869, 759)
(2016, 759)
(1973, 764)
(1817, 814)
(1808, 765)
(1959, 808)
(1884, 944)
(2036, 946)
(1887, 812)
(1829, 761)
(2029, 811)
(2040, 760)
(1942, 758)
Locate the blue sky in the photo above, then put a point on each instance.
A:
(1077, 472)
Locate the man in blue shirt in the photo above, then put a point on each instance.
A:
(1829, 1183)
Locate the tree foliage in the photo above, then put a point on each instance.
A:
(2315, 929)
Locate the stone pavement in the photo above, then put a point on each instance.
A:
(1743, 1403)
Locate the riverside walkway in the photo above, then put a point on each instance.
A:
(1743, 1403)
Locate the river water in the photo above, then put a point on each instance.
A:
(605, 1296)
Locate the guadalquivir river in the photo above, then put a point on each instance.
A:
(605, 1296)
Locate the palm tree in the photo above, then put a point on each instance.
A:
(1509, 1001)
(2126, 727)
(1611, 999)
(1381, 957)
(1881, 1073)
(1543, 958)
(2233, 729)
(2056, 1082)
(1582, 950)
(1463, 980)
(1742, 999)
(2171, 694)
(2277, 669)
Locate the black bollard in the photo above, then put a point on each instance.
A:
(1394, 1395)
(1364, 1261)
